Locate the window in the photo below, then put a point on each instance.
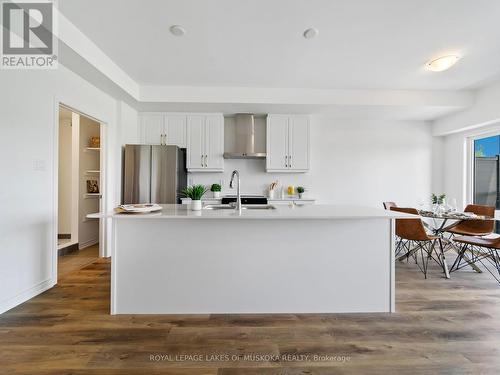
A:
(486, 171)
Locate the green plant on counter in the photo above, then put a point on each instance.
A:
(194, 192)
(300, 189)
(438, 199)
(216, 187)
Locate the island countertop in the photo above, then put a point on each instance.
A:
(297, 212)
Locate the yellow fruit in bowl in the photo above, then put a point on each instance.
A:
(291, 190)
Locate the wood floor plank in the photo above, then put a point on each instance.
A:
(441, 327)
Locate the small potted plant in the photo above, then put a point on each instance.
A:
(438, 202)
(195, 192)
(300, 190)
(216, 189)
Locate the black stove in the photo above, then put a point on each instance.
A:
(245, 199)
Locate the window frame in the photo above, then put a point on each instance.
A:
(470, 156)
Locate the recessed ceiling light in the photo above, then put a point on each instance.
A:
(442, 63)
(177, 30)
(310, 33)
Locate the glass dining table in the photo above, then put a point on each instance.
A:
(441, 223)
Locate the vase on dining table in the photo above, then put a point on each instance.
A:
(438, 208)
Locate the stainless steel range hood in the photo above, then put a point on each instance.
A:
(245, 139)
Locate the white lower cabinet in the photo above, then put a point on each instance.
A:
(205, 143)
(287, 143)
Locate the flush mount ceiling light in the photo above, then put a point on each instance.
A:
(177, 30)
(310, 33)
(442, 63)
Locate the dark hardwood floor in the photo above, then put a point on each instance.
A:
(75, 260)
(441, 327)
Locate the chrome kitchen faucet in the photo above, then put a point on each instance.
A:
(238, 195)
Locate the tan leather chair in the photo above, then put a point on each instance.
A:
(477, 249)
(388, 205)
(417, 239)
(475, 227)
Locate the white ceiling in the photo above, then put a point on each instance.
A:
(362, 44)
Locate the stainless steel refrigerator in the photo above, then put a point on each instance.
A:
(153, 174)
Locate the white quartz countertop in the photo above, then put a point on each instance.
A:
(317, 211)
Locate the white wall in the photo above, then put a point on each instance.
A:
(453, 162)
(485, 111)
(352, 162)
(28, 114)
(64, 203)
(452, 132)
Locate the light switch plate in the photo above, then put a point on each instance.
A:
(39, 165)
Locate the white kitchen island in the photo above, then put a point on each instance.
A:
(292, 259)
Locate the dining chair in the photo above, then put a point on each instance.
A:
(399, 241)
(476, 249)
(416, 239)
(475, 227)
(388, 205)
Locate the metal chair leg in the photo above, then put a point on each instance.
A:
(460, 255)
(443, 259)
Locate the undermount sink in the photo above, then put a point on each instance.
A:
(218, 207)
(243, 207)
(258, 207)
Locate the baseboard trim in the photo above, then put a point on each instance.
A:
(22, 297)
(67, 250)
(83, 245)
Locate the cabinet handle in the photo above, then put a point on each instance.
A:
(165, 139)
(202, 160)
(286, 161)
(290, 161)
(206, 165)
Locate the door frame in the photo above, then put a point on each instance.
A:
(55, 181)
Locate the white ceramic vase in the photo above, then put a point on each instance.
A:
(196, 205)
(216, 194)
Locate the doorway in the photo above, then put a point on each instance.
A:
(79, 190)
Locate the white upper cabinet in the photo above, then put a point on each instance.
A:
(287, 143)
(214, 144)
(175, 129)
(151, 126)
(277, 142)
(163, 129)
(205, 143)
(195, 139)
(298, 143)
